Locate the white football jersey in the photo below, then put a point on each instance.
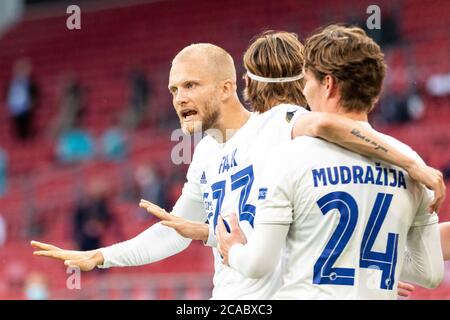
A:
(349, 218)
(226, 177)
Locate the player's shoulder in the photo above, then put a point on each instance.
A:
(288, 151)
(287, 112)
(205, 148)
(311, 150)
(302, 142)
(278, 120)
(207, 144)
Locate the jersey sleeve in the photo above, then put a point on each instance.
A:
(212, 240)
(156, 243)
(262, 252)
(423, 217)
(423, 262)
(159, 242)
(277, 207)
(192, 193)
(191, 188)
(291, 116)
(190, 204)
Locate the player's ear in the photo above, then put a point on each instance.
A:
(228, 89)
(330, 85)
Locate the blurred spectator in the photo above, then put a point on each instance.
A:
(439, 84)
(397, 106)
(149, 183)
(22, 96)
(416, 107)
(15, 274)
(92, 217)
(173, 187)
(140, 95)
(446, 172)
(389, 33)
(3, 231)
(36, 287)
(71, 104)
(150, 186)
(3, 172)
(75, 145)
(393, 108)
(114, 142)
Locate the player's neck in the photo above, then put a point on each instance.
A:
(357, 116)
(233, 117)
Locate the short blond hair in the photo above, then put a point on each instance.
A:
(274, 55)
(219, 61)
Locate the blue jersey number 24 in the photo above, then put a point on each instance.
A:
(324, 270)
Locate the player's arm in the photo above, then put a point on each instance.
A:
(257, 257)
(160, 241)
(445, 239)
(85, 260)
(145, 248)
(423, 263)
(186, 228)
(353, 136)
(405, 289)
(156, 243)
(260, 255)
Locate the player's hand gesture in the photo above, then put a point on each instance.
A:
(84, 260)
(186, 228)
(228, 239)
(404, 289)
(433, 180)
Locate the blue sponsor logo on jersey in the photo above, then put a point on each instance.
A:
(376, 175)
(262, 193)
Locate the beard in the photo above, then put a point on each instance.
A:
(211, 114)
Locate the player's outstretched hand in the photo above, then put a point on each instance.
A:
(404, 289)
(84, 260)
(186, 228)
(228, 239)
(433, 180)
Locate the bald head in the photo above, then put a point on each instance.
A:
(211, 58)
(202, 82)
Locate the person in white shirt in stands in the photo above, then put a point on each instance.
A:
(352, 226)
(203, 84)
